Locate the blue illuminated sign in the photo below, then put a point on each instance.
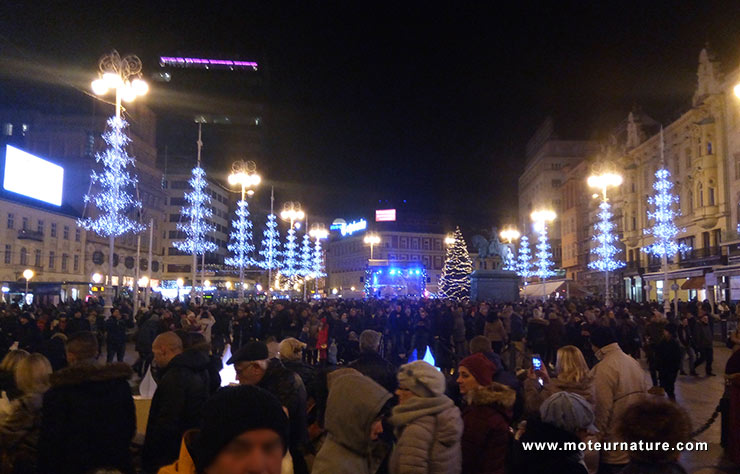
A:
(349, 228)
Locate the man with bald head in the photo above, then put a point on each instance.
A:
(182, 390)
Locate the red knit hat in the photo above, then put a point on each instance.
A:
(479, 367)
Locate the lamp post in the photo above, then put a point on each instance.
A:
(123, 75)
(602, 182)
(292, 213)
(27, 274)
(540, 219)
(243, 174)
(449, 240)
(510, 235)
(372, 240)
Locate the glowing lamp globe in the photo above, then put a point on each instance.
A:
(27, 273)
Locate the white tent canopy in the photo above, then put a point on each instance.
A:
(564, 288)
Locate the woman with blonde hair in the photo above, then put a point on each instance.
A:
(572, 376)
(7, 371)
(20, 430)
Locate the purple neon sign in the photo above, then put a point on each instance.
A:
(202, 62)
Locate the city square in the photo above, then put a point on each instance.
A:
(402, 238)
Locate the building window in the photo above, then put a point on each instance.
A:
(65, 257)
(700, 191)
(76, 263)
(52, 257)
(8, 253)
(25, 223)
(709, 148)
(77, 235)
(11, 220)
(634, 223)
(40, 226)
(53, 229)
(710, 194)
(65, 232)
(24, 256)
(556, 183)
(37, 257)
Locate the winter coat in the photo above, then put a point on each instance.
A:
(494, 330)
(619, 381)
(29, 337)
(182, 390)
(428, 432)
(19, 434)
(486, 434)
(116, 330)
(354, 403)
(148, 331)
(374, 366)
(76, 325)
(517, 327)
(534, 395)
(537, 333)
(703, 335)
(546, 461)
(306, 372)
(288, 387)
(54, 350)
(87, 420)
(668, 355)
(458, 329)
(555, 332)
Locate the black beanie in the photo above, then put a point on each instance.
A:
(602, 336)
(233, 411)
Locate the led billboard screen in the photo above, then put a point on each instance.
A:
(31, 176)
(385, 215)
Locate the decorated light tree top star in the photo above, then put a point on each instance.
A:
(454, 282)
(114, 200)
(605, 251)
(197, 214)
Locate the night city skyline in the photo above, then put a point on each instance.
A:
(429, 105)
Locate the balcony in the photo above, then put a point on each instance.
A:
(26, 234)
(701, 256)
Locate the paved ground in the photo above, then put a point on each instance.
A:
(699, 395)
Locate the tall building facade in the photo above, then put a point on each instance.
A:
(548, 157)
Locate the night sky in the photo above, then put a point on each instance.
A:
(429, 103)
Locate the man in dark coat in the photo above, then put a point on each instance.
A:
(28, 334)
(703, 340)
(371, 364)
(115, 339)
(148, 329)
(88, 418)
(77, 324)
(182, 390)
(253, 367)
(668, 355)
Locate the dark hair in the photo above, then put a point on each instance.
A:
(83, 344)
(602, 336)
(654, 420)
(480, 344)
(672, 329)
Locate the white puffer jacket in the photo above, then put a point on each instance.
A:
(428, 431)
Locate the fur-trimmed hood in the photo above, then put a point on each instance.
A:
(82, 373)
(494, 394)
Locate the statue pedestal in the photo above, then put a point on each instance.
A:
(494, 285)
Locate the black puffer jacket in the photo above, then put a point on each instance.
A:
(182, 390)
(372, 365)
(87, 420)
(288, 387)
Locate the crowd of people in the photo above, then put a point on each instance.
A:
(343, 386)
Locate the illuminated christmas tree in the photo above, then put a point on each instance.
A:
(270, 250)
(318, 260)
(524, 263)
(454, 282)
(543, 265)
(290, 264)
(306, 266)
(196, 215)
(240, 244)
(605, 250)
(114, 200)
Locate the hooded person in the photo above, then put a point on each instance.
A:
(427, 424)
(244, 430)
(564, 418)
(486, 416)
(354, 413)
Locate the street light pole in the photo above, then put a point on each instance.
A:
(602, 182)
(27, 274)
(123, 75)
(244, 173)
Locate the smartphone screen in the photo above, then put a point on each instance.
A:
(536, 362)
